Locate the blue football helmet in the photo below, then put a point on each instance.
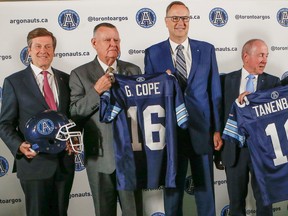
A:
(49, 132)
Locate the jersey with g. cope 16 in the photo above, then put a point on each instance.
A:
(146, 110)
(262, 123)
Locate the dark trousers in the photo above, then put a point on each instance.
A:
(48, 197)
(237, 185)
(202, 175)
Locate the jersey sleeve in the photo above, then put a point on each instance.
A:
(109, 108)
(231, 131)
(180, 108)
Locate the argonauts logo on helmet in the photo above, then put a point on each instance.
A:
(45, 126)
(50, 132)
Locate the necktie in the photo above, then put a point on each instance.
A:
(250, 84)
(48, 94)
(110, 69)
(181, 66)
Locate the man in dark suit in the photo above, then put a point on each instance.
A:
(284, 80)
(46, 179)
(87, 83)
(202, 93)
(237, 160)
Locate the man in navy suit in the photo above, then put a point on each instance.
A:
(46, 179)
(237, 160)
(202, 93)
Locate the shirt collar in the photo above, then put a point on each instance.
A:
(245, 73)
(36, 70)
(174, 45)
(105, 67)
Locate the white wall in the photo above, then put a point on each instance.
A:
(258, 21)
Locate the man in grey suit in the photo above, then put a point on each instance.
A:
(237, 160)
(87, 83)
(46, 179)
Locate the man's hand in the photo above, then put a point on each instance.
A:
(217, 141)
(103, 84)
(25, 148)
(69, 148)
(168, 71)
(242, 96)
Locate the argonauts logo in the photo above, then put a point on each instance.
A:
(68, 20)
(158, 214)
(24, 56)
(4, 166)
(225, 211)
(218, 17)
(282, 17)
(189, 185)
(274, 95)
(146, 18)
(140, 79)
(79, 162)
(45, 126)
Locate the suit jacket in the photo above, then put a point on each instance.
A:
(202, 94)
(284, 81)
(98, 137)
(230, 87)
(21, 100)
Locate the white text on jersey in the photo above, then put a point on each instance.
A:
(271, 107)
(144, 89)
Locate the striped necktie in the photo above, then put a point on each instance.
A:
(180, 66)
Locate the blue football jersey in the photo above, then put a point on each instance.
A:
(145, 110)
(262, 123)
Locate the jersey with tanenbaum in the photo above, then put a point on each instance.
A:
(145, 111)
(262, 123)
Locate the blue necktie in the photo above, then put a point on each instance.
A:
(250, 84)
(181, 63)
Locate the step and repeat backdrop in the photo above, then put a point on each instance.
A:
(226, 24)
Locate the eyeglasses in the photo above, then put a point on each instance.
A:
(177, 18)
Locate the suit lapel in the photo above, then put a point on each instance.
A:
(32, 86)
(261, 82)
(234, 85)
(121, 68)
(167, 62)
(195, 53)
(62, 92)
(95, 70)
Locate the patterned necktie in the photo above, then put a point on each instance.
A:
(180, 66)
(110, 69)
(250, 84)
(48, 94)
(181, 63)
